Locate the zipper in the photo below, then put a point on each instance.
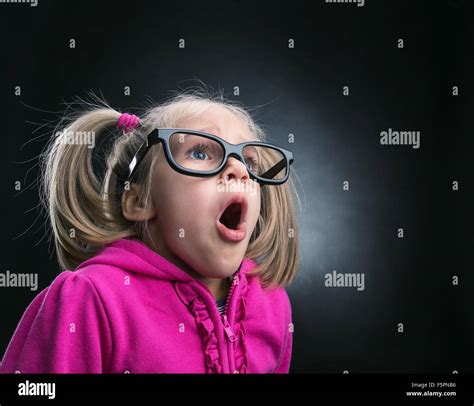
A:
(235, 281)
(228, 329)
(225, 322)
(229, 294)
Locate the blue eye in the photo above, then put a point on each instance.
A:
(199, 155)
(198, 152)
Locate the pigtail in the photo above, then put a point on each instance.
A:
(81, 215)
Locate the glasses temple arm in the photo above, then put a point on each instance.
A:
(274, 170)
(137, 158)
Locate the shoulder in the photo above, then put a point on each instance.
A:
(64, 329)
(92, 280)
(99, 274)
(70, 288)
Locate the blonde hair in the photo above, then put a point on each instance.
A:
(86, 213)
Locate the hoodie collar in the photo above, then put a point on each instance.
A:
(134, 255)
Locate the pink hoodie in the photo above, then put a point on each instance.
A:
(128, 310)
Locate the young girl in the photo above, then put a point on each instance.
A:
(176, 260)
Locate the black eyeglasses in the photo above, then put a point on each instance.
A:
(196, 153)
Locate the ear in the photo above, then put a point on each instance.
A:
(132, 209)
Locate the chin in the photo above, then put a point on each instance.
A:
(223, 267)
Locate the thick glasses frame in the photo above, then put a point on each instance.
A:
(163, 135)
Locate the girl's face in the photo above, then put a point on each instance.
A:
(191, 226)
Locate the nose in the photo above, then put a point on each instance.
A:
(235, 170)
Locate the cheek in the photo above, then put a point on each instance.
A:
(177, 200)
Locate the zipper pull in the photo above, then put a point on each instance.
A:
(228, 329)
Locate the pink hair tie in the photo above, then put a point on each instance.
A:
(128, 122)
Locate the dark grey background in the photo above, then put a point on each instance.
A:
(299, 91)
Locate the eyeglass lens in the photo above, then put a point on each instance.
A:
(191, 151)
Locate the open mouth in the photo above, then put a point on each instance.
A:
(231, 222)
(231, 216)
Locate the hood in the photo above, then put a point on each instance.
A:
(135, 256)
